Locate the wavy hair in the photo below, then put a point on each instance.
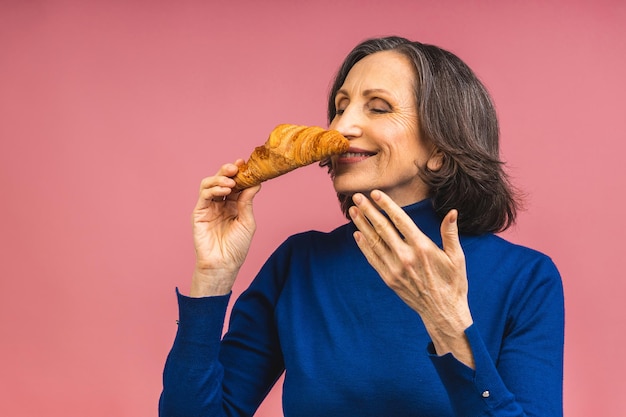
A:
(456, 114)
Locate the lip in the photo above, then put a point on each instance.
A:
(354, 155)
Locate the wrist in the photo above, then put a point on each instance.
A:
(211, 282)
(450, 337)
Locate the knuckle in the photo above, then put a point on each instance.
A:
(423, 245)
(377, 224)
(396, 218)
(206, 194)
(377, 243)
(376, 247)
(395, 272)
(206, 182)
(394, 284)
(406, 258)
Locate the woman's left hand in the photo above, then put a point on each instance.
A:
(433, 282)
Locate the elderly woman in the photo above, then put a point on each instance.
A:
(413, 308)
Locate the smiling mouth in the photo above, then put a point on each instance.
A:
(356, 154)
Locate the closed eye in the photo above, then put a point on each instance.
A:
(379, 106)
(341, 105)
(379, 111)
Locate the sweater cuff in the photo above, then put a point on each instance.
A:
(200, 327)
(471, 392)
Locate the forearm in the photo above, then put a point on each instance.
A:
(447, 333)
(192, 378)
(211, 282)
(456, 344)
(492, 390)
(475, 392)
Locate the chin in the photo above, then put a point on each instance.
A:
(349, 187)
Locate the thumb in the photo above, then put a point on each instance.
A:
(244, 202)
(450, 236)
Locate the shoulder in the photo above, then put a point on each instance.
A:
(510, 276)
(501, 249)
(301, 252)
(317, 239)
(530, 270)
(503, 260)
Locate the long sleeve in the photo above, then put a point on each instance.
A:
(192, 378)
(207, 375)
(526, 377)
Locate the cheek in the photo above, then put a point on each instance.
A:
(403, 156)
(403, 130)
(401, 143)
(406, 145)
(399, 160)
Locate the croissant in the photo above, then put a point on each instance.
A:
(287, 148)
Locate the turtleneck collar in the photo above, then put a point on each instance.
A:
(424, 216)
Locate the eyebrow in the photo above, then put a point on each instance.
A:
(368, 92)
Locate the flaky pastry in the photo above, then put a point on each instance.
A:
(289, 147)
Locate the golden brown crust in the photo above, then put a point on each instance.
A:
(287, 148)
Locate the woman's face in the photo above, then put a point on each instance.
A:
(377, 112)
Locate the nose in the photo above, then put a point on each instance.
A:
(348, 123)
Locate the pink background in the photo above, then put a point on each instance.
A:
(111, 112)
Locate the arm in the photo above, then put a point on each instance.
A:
(527, 378)
(431, 281)
(192, 378)
(223, 226)
(206, 377)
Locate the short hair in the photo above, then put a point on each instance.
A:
(455, 114)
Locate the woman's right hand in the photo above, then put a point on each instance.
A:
(223, 226)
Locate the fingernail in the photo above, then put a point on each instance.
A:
(376, 195)
(357, 198)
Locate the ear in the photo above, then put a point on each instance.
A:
(435, 161)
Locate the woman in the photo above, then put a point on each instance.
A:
(415, 307)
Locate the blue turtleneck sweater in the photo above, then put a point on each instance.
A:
(350, 347)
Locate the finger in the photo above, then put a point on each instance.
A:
(223, 177)
(374, 226)
(220, 184)
(244, 204)
(214, 189)
(371, 254)
(362, 224)
(386, 225)
(398, 217)
(217, 185)
(246, 197)
(211, 195)
(219, 180)
(366, 238)
(450, 236)
(230, 169)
